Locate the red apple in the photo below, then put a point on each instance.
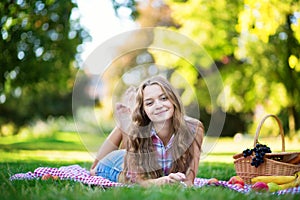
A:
(260, 186)
(55, 178)
(235, 180)
(239, 185)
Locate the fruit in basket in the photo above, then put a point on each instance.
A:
(258, 152)
(273, 179)
(236, 180)
(273, 187)
(294, 183)
(260, 186)
(289, 185)
(247, 152)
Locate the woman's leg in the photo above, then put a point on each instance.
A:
(111, 165)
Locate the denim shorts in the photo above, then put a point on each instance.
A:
(111, 165)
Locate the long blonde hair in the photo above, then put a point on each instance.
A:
(140, 158)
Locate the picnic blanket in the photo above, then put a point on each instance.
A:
(80, 174)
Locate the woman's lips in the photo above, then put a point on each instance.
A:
(161, 112)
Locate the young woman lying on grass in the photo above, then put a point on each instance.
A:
(162, 144)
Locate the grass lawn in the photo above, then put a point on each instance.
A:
(19, 154)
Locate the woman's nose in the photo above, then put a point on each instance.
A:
(158, 104)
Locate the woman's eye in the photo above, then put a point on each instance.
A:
(164, 98)
(148, 103)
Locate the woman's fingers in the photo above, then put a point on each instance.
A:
(171, 178)
(128, 97)
(93, 171)
(182, 175)
(121, 108)
(123, 116)
(177, 176)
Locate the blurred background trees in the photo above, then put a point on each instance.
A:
(39, 43)
(254, 44)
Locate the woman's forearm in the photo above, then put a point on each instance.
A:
(94, 163)
(112, 142)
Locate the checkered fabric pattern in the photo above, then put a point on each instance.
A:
(163, 154)
(72, 172)
(79, 174)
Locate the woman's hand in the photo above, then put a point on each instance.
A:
(170, 179)
(176, 177)
(123, 116)
(128, 98)
(125, 108)
(93, 171)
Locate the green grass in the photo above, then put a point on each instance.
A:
(38, 189)
(23, 154)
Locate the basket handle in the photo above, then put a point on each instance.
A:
(280, 127)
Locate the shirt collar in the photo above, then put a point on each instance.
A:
(154, 134)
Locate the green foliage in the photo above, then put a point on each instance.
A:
(255, 45)
(210, 24)
(261, 32)
(128, 4)
(39, 43)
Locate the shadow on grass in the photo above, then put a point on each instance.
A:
(43, 144)
(55, 141)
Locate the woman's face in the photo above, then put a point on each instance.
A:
(156, 104)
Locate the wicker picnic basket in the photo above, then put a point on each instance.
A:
(280, 164)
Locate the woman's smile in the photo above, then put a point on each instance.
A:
(160, 112)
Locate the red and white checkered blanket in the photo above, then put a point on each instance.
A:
(80, 174)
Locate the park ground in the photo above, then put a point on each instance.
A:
(24, 153)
